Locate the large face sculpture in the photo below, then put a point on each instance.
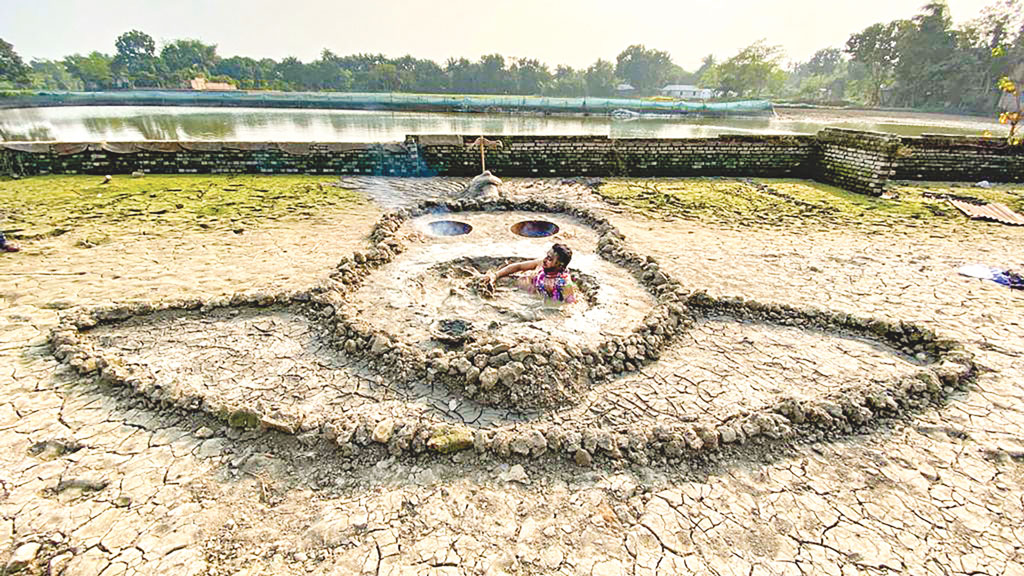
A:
(400, 352)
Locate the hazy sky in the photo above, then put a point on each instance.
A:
(554, 31)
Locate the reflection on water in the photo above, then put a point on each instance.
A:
(132, 123)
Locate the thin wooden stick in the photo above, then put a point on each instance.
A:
(42, 273)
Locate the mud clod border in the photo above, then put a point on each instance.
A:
(948, 366)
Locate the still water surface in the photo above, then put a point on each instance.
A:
(133, 123)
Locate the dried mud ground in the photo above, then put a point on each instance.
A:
(93, 482)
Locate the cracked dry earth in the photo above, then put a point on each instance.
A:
(94, 482)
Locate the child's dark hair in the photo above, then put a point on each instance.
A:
(563, 253)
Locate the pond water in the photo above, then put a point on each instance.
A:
(133, 123)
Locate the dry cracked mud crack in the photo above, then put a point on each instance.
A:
(96, 480)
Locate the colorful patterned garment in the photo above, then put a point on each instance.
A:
(557, 286)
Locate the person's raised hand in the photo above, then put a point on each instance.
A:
(486, 284)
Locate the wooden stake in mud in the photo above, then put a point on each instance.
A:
(482, 143)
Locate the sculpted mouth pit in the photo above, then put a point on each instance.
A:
(399, 354)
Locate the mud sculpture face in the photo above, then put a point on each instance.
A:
(519, 352)
(398, 352)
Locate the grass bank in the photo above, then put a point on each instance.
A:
(53, 205)
(746, 202)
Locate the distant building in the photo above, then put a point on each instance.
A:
(687, 91)
(625, 89)
(203, 84)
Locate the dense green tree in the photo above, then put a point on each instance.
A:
(418, 75)
(924, 71)
(52, 75)
(92, 70)
(600, 78)
(134, 46)
(183, 60)
(823, 78)
(270, 76)
(136, 63)
(754, 71)
(875, 48)
(677, 75)
(360, 66)
(529, 76)
(706, 63)
(293, 74)
(327, 73)
(646, 70)
(462, 76)
(824, 62)
(494, 77)
(12, 68)
(707, 74)
(246, 72)
(975, 70)
(384, 77)
(566, 82)
(995, 47)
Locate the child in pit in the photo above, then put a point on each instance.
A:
(552, 280)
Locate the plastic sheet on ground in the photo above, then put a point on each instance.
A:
(996, 212)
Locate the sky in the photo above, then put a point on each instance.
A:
(555, 32)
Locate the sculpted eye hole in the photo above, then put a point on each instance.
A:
(535, 228)
(449, 228)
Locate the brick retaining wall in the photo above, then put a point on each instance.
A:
(859, 161)
(600, 156)
(937, 157)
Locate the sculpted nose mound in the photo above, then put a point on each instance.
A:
(485, 186)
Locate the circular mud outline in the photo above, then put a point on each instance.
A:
(950, 366)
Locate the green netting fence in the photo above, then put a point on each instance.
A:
(386, 101)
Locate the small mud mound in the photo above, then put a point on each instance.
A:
(455, 330)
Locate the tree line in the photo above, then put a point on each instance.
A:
(923, 62)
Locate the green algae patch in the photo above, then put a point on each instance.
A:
(449, 441)
(243, 419)
(706, 199)
(52, 205)
(747, 202)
